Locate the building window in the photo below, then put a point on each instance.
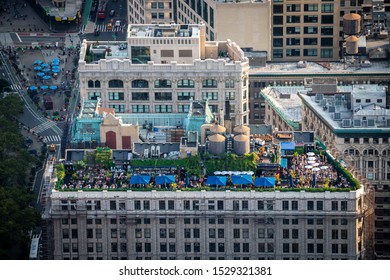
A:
(285, 204)
(162, 84)
(310, 30)
(229, 83)
(138, 96)
(185, 84)
(113, 96)
(94, 95)
(335, 205)
(117, 108)
(185, 95)
(162, 96)
(140, 108)
(210, 95)
(139, 84)
(344, 205)
(230, 95)
(310, 205)
(115, 84)
(209, 83)
(163, 108)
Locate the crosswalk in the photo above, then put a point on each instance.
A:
(16, 87)
(43, 126)
(52, 139)
(103, 28)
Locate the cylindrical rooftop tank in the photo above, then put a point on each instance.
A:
(217, 144)
(241, 144)
(216, 128)
(352, 45)
(241, 129)
(351, 24)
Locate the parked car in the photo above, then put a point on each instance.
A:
(118, 23)
(112, 13)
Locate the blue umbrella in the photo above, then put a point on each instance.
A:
(140, 179)
(265, 182)
(37, 68)
(46, 77)
(40, 74)
(242, 179)
(55, 67)
(55, 63)
(33, 88)
(55, 70)
(44, 65)
(44, 87)
(45, 70)
(54, 60)
(53, 87)
(37, 61)
(165, 179)
(216, 180)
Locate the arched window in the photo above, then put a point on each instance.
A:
(97, 84)
(139, 84)
(115, 84)
(229, 83)
(90, 84)
(370, 152)
(351, 152)
(185, 84)
(210, 83)
(162, 84)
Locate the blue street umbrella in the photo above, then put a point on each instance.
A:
(55, 67)
(139, 179)
(33, 88)
(216, 180)
(54, 60)
(53, 87)
(165, 179)
(55, 70)
(44, 65)
(46, 77)
(40, 74)
(44, 87)
(37, 62)
(242, 179)
(55, 63)
(45, 70)
(37, 68)
(265, 182)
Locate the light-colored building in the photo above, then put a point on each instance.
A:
(283, 107)
(150, 12)
(161, 68)
(207, 225)
(355, 127)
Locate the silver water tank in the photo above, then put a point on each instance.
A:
(241, 144)
(217, 144)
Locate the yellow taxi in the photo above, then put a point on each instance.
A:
(109, 26)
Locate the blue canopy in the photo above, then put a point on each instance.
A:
(44, 87)
(40, 74)
(283, 162)
(38, 61)
(53, 87)
(216, 180)
(45, 70)
(165, 179)
(55, 70)
(265, 182)
(287, 145)
(55, 67)
(44, 65)
(139, 179)
(32, 88)
(55, 60)
(54, 63)
(46, 77)
(242, 179)
(37, 68)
